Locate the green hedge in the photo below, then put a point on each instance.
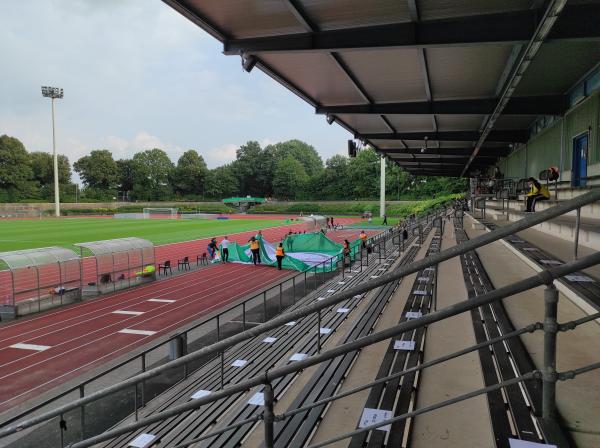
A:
(353, 208)
(204, 208)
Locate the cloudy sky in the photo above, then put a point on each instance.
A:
(138, 75)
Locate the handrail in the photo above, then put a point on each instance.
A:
(403, 271)
(541, 278)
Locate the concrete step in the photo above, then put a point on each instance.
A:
(562, 227)
(589, 211)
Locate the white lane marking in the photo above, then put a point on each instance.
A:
(127, 312)
(140, 332)
(23, 346)
(161, 300)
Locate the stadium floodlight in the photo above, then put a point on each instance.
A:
(54, 93)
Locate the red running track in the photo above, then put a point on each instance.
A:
(173, 252)
(86, 335)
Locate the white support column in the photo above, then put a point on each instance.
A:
(382, 188)
(55, 163)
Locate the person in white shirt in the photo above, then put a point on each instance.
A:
(225, 250)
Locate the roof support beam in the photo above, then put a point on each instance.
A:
(577, 22)
(512, 136)
(542, 32)
(533, 105)
(455, 152)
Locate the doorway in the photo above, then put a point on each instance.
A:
(580, 156)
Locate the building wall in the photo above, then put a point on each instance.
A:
(544, 149)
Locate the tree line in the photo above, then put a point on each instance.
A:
(291, 170)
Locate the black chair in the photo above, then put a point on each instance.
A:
(202, 259)
(183, 263)
(164, 267)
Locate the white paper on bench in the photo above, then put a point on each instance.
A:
(269, 340)
(291, 324)
(343, 310)
(516, 443)
(413, 314)
(239, 363)
(373, 416)
(350, 276)
(550, 261)
(579, 278)
(331, 290)
(358, 296)
(530, 249)
(298, 356)
(324, 330)
(374, 276)
(201, 393)
(341, 283)
(142, 441)
(516, 241)
(258, 399)
(420, 292)
(424, 279)
(321, 298)
(404, 345)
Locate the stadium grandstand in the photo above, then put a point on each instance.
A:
(471, 325)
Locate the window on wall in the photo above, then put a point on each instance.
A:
(589, 85)
(541, 123)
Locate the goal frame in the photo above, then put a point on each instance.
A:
(164, 212)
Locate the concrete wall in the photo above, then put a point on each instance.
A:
(554, 145)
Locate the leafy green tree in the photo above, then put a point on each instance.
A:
(249, 170)
(42, 166)
(190, 174)
(364, 174)
(289, 179)
(99, 173)
(15, 170)
(222, 182)
(152, 171)
(125, 168)
(335, 182)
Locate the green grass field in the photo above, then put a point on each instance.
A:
(27, 234)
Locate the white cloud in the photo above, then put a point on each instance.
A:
(221, 155)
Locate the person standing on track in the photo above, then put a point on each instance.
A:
(279, 254)
(363, 238)
(255, 248)
(259, 238)
(225, 250)
(212, 248)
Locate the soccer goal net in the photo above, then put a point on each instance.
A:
(25, 212)
(160, 212)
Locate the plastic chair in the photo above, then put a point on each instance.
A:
(164, 267)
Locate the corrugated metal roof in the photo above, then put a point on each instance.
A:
(353, 52)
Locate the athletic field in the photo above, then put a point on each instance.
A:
(27, 234)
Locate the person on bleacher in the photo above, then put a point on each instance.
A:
(537, 192)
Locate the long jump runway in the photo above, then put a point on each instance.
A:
(41, 353)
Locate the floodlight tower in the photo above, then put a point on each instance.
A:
(54, 93)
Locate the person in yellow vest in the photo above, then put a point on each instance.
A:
(537, 192)
(279, 254)
(363, 238)
(255, 248)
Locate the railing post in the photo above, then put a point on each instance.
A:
(319, 331)
(243, 316)
(280, 297)
(549, 375)
(577, 225)
(264, 306)
(223, 369)
(269, 415)
(294, 289)
(82, 415)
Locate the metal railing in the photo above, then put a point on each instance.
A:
(548, 373)
(211, 330)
